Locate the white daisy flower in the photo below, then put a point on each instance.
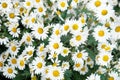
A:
(1, 64)
(93, 77)
(113, 76)
(78, 65)
(4, 40)
(62, 5)
(37, 2)
(12, 61)
(38, 65)
(65, 51)
(9, 72)
(65, 65)
(56, 73)
(28, 4)
(21, 63)
(83, 70)
(40, 32)
(101, 34)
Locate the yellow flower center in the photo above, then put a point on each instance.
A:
(13, 48)
(40, 30)
(111, 78)
(14, 61)
(62, 4)
(101, 33)
(54, 55)
(4, 5)
(55, 45)
(21, 9)
(65, 51)
(54, 64)
(39, 65)
(77, 65)
(33, 78)
(105, 58)
(28, 3)
(97, 3)
(66, 27)
(103, 46)
(41, 48)
(88, 59)
(22, 63)
(58, 13)
(78, 38)
(30, 52)
(1, 64)
(28, 38)
(83, 69)
(37, 1)
(117, 29)
(40, 9)
(107, 24)
(12, 15)
(33, 20)
(104, 12)
(82, 20)
(75, 26)
(79, 55)
(56, 73)
(76, 1)
(10, 70)
(14, 29)
(57, 32)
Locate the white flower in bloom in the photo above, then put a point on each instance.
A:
(62, 5)
(93, 77)
(4, 40)
(21, 63)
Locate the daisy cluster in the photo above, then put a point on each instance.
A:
(60, 39)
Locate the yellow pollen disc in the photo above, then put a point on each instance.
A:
(54, 55)
(12, 15)
(83, 20)
(103, 46)
(13, 48)
(88, 59)
(83, 69)
(56, 73)
(40, 30)
(30, 52)
(79, 55)
(1, 64)
(97, 3)
(101, 33)
(40, 9)
(75, 26)
(33, 78)
(107, 48)
(107, 24)
(117, 29)
(111, 78)
(22, 63)
(62, 4)
(65, 51)
(58, 13)
(78, 38)
(57, 32)
(10, 70)
(4, 5)
(77, 65)
(105, 58)
(28, 38)
(28, 3)
(46, 71)
(39, 65)
(104, 12)
(14, 29)
(21, 9)
(66, 27)
(55, 45)
(33, 20)
(41, 48)
(76, 1)
(37, 1)
(13, 61)
(54, 64)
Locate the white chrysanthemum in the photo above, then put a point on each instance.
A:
(65, 51)
(115, 32)
(38, 65)
(25, 21)
(28, 52)
(13, 48)
(40, 10)
(93, 77)
(14, 30)
(12, 61)
(4, 41)
(80, 55)
(1, 63)
(83, 70)
(65, 65)
(78, 65)
(104, 58)
(28, 4)
(113, 76)
(5, 5)
(104, 13)
(9, 72)
(37, 2)
(39, 31)
(27, 38)
(56, 73)
(56, 30)
(101, 34)
(79, 38)
(21, 63)
(95, 4)
(53, 55)
(62, 5)
(82, 20)
(55, 45)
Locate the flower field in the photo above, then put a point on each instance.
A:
(60, 39)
